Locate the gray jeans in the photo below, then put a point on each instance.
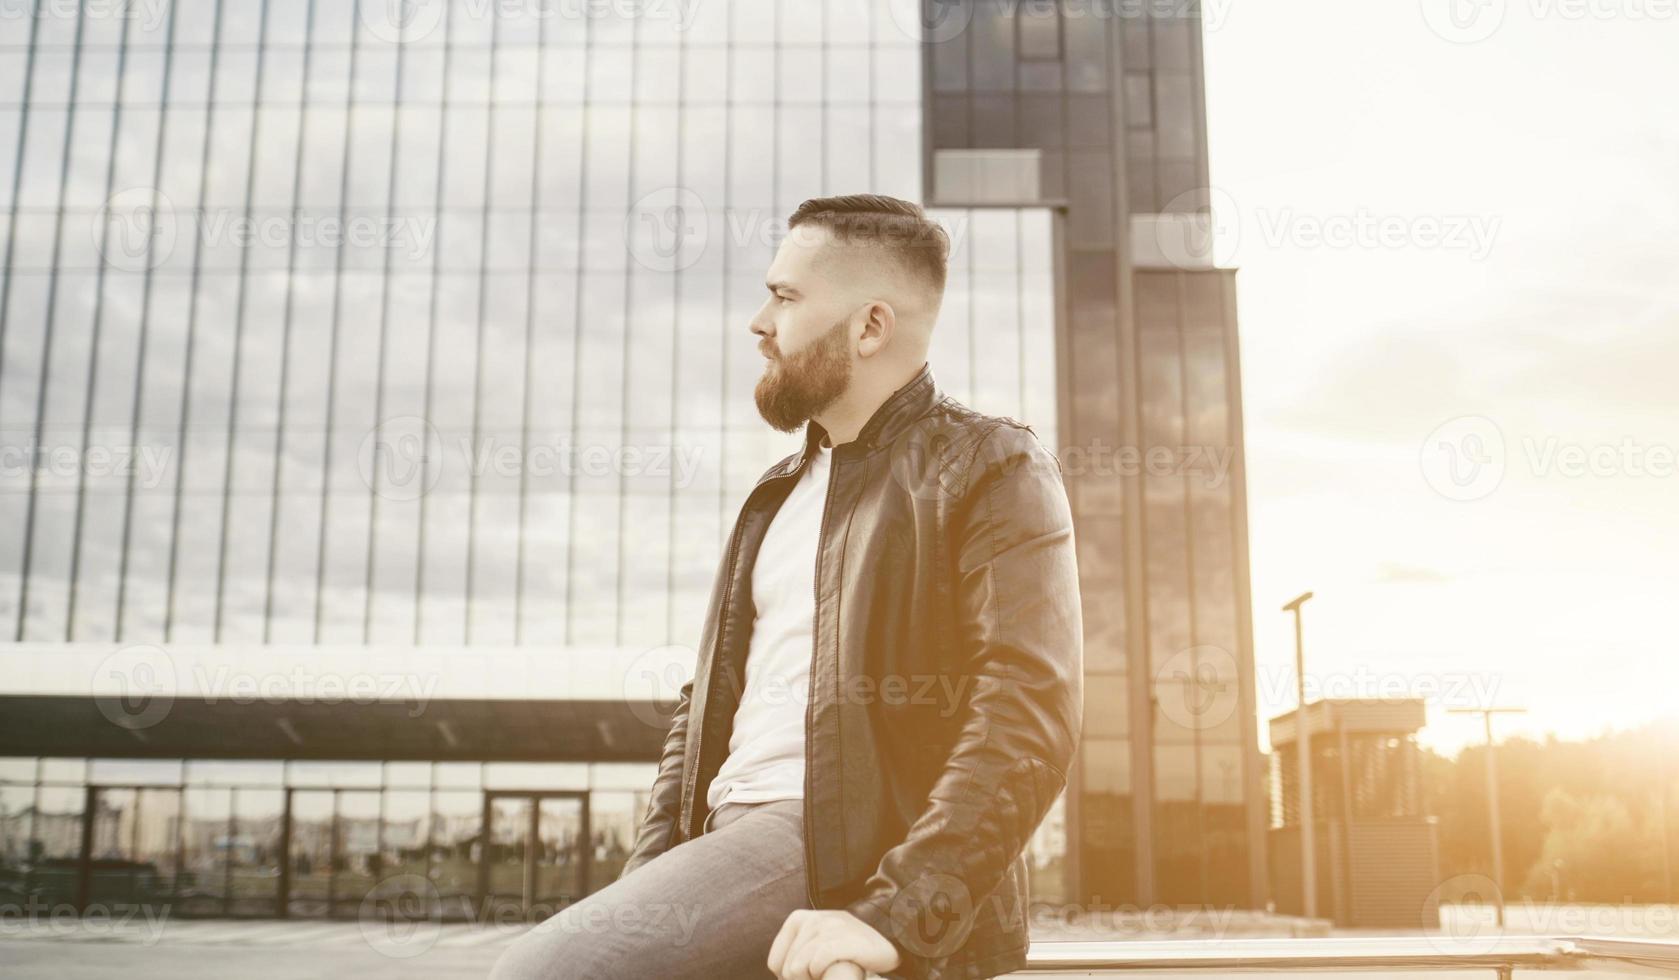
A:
(706, 908)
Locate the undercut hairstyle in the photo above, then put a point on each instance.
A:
(900, 228)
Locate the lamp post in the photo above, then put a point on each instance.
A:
(1308, 856)
(1661, 814)
(1492, 799)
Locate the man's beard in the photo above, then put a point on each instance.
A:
(795, 387)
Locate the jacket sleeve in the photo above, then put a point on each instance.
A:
(658, 826)
(1020, 632)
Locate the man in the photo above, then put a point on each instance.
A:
(889, 684)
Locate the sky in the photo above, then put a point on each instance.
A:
(1458, 244)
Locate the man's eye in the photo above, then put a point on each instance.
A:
(783, 299)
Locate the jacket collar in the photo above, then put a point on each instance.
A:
(898, 412)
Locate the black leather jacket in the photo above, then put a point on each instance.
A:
(946, 685)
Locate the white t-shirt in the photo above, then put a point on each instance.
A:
(766, 758)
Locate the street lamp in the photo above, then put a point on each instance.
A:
(1492, 799)
(1308, 857)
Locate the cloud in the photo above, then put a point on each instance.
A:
(1393, 573)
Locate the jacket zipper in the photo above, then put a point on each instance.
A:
(810, 697)
(692, 775)
(711, 672)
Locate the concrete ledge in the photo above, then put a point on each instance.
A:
(1408, 953)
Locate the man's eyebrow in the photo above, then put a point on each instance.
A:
(778, 286)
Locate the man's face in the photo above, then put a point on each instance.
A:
(804, 334)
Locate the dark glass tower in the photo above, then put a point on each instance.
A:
(1100, 109)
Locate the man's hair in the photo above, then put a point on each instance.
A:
(901, 228)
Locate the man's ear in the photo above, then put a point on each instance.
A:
(879, 322)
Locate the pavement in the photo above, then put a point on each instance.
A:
(137, 949)
(140, 947)
(143, 946)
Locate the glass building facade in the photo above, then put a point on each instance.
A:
(369, 326)
(470, 841)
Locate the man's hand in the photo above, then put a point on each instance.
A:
(829, 945)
